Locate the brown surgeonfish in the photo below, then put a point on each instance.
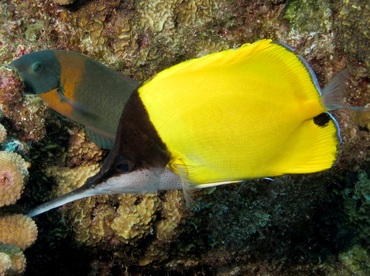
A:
(253, 112)
(79, 88)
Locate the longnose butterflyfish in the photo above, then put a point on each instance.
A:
(252, 112)
(79, 88)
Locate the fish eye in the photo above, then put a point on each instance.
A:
(124, 165)
(37, 67)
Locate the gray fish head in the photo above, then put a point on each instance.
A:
(39, 71)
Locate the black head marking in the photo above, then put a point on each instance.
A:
(137, 137)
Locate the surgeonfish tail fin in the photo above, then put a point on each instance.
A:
(333, 93)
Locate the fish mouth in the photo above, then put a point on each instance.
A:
(27, 87)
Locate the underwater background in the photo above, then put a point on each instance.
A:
(314, 224)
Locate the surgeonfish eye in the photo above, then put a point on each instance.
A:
(124, 165)
(37, 67)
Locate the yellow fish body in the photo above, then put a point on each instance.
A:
(252, 112)
(241, 114)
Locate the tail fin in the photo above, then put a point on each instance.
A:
(333, 93)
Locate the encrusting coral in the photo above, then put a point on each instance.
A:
(13, 176)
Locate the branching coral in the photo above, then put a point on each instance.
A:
(68, 179)
(17, 231)
(12, 260)
(13, 175)
(21, 231)
(5, 263)
(81, 151)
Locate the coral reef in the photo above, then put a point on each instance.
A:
(81, 151)
(298, 225)
(3, 133)
(357, 206)
(120, 220)
(352, 27)
(17, 231)
(354, 261)
(63, 2)
(5, 263)
(12, 260)
(13, 176)
(165, 230)
(21, 231)
(14, 106)
(309, 15)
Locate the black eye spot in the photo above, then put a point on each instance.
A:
(37, 67)
(322, 120)
(124, 165)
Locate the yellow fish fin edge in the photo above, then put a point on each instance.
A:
(214, 59)
(305, 64)
(266, 53)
